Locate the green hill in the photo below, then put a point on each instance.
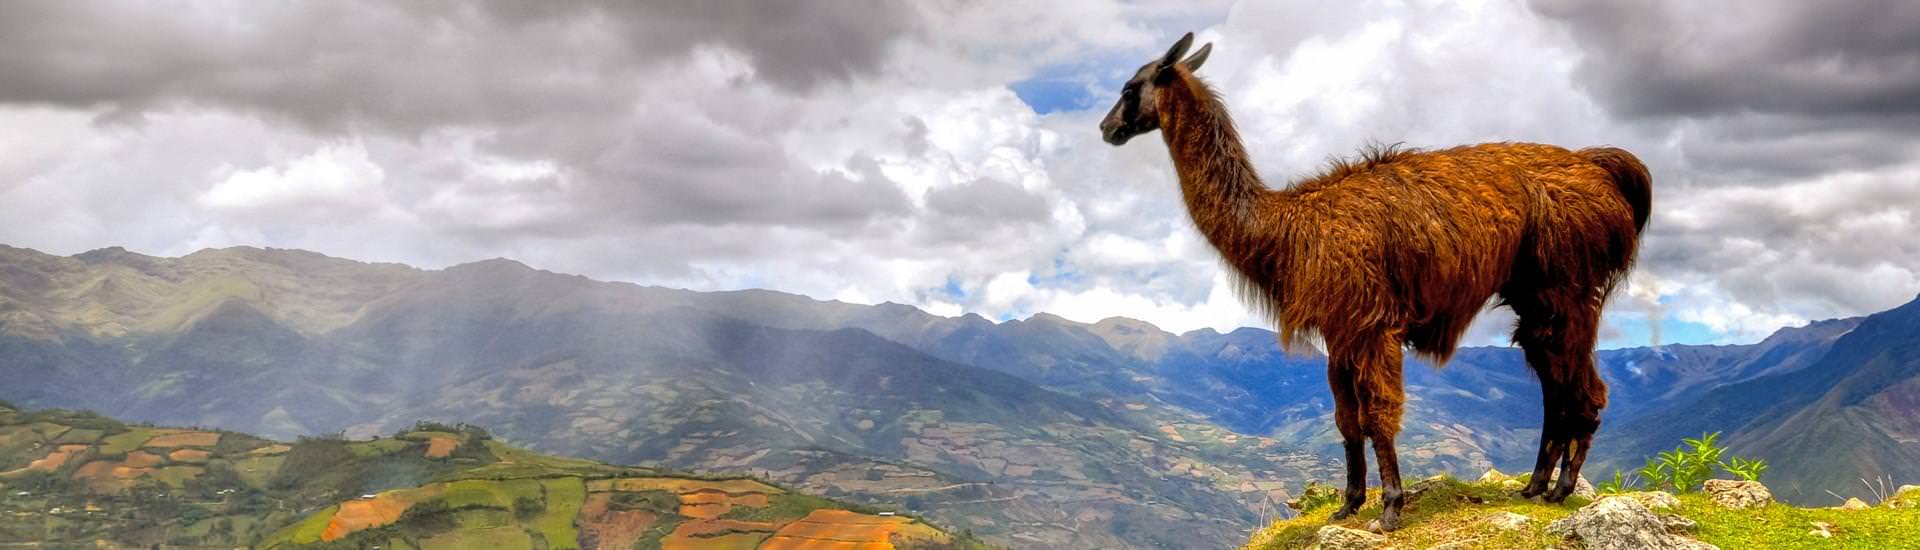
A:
(76, 478)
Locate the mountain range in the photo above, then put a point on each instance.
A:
(1029, 432)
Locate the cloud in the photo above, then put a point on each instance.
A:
(336, 176)
(873, 151)
(1648, 58)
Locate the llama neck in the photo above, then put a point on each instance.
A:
(1216, 178)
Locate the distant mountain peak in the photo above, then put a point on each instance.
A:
(493, 265)
(112, 254)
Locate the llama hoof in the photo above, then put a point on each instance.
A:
(1343, 513)
(1556, 496)
(1385, 524)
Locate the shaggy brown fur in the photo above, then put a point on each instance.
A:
(1401, 249)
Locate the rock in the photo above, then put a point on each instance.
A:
(1822, 529)
(1455, 545)
(1509, 521)
(1334, 537)
(1621, 523)
(1583, 489)
(1420, 487)
(1854, 503)
(1738, 495)
(1654, 500)
(1907, 496)
(1494, 475)
(1679, 525)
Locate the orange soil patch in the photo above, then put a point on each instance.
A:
(441, 447)
(704, 504)
(130, 472)
(195, 456)
(106, 476)
(355, 515)
(185, 439)
(143, 459)
(751, 500)
(56, 459)
(839, 529)
(95, 469)
(269, 450)
(608, 528)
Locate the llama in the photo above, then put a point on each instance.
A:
(1400, 250)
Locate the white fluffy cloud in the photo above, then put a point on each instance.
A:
(898, 164)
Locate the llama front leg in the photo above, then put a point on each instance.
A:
(1392, 498)
(1553, 445)
(1582, 418)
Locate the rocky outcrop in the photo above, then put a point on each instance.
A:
(1334, 537)
(1622, 523)
(1738, 495)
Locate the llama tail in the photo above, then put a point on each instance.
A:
(1630, 176)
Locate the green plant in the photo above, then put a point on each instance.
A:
(1314, 496)
(1619, 483)
(1685, 467)
(1747, 469)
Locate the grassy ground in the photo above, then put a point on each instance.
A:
(1456, 511)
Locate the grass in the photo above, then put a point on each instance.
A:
(1781, 526)
(124, 442)
(1447, 512)
(555, 523)
(306, 531)
(506, 538)
(780, 508)
(377, 447)
(1456, 511)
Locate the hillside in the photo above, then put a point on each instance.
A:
(73, 478)
(624, 374)
(1443, 512)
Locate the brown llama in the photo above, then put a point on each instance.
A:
(1402, 249)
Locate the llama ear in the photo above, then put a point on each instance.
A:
(1173, 55)
(1192, 63)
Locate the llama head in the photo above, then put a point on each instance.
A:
(1138, 110)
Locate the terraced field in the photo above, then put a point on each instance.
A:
(78, 478)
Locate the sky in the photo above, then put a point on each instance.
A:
(945, 153)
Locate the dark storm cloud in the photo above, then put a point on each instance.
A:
(411, 65)
(1647, 58)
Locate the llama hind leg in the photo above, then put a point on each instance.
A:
(1383, 398)
(1346, 416)
(1558, 336)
